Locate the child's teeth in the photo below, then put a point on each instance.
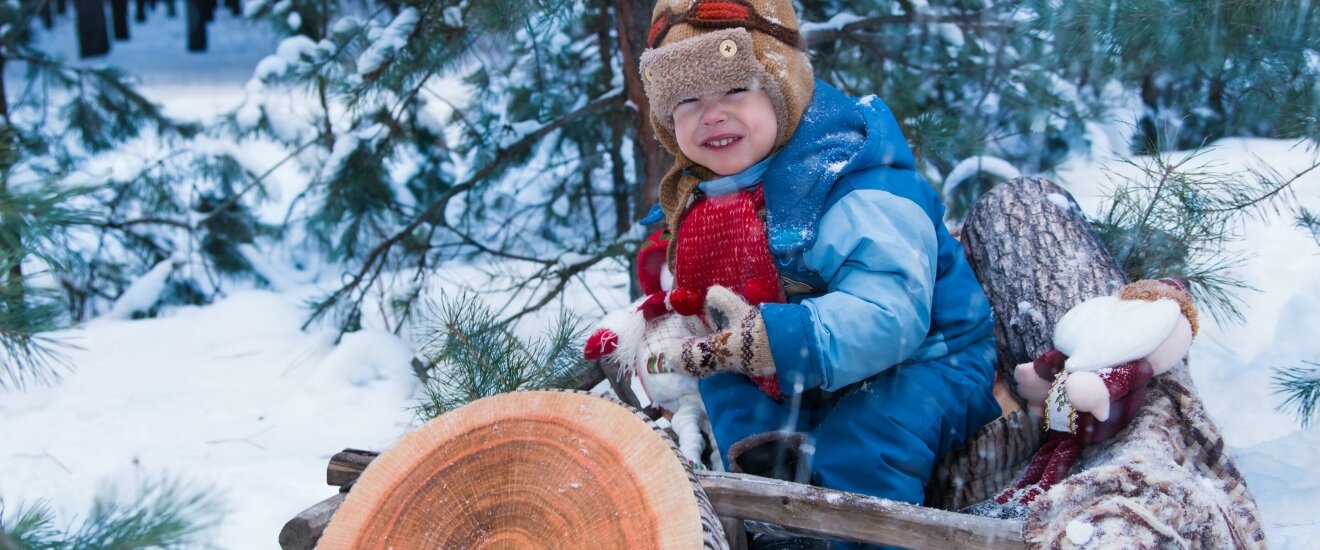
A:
(722, 142)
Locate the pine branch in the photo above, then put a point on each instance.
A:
(1176, 222)
(1301, 385)
(977, 21)
(1309, 221)
(475, 355)
(375, 258)
(163, 515)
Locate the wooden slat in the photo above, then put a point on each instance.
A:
(347, 465)
(302, 532)
(841, 515)
(815, 511)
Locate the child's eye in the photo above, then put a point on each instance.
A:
(688, 100)
(735, 91)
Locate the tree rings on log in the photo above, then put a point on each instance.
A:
(536, 469)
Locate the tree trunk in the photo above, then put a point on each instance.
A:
(141, 15)
(47, 15)
(61, 7)
(93, 39)
(13, 280)
(4, 101)
(633, 18)
(170, 10)
(119, 12)
(208, 10)
(1036, 257)
(195, 18)
(235, 7)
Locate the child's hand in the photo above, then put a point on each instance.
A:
(739, 344)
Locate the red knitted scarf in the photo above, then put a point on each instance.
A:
(722, 241)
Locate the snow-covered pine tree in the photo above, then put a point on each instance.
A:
(89, 222)
(1206, 70)
(1176, 218)
(973, 84)
(985, 89)
(434, 131)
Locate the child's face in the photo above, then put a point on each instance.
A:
(727, 132)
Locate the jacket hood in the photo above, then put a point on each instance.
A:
(838, 135)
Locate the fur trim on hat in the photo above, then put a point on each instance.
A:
(785, 64)
(706, 65)
(1151, 290)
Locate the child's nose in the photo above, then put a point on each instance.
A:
(713, 114)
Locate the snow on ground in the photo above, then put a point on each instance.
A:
(235, 397)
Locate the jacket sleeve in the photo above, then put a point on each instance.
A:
(877, 252)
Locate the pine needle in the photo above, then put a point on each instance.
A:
(1301, 385)
(474, 354)
(162, 515)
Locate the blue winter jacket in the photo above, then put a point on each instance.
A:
(874, 278)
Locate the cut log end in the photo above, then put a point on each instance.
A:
(528, 469)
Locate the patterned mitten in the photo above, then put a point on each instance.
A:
(739, 344)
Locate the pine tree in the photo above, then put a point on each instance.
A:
(1177, 218)
(1208, 70)
(528, 167)
(70, 245)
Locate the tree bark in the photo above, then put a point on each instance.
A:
(194, 15)
(119, 13)
(651, 160)
(1036, 257)
(93, 39)
(47, 14)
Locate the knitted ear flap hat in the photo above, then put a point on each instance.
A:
(700, 47)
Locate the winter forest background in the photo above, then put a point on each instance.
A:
(237, 238)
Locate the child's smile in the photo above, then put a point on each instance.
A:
(727, 132)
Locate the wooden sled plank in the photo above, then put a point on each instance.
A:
(803, 509)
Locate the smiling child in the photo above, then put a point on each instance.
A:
(851, 347)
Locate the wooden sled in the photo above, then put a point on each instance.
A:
(1165, 481)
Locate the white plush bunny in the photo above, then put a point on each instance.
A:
(635, 336)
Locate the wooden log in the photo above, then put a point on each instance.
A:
(305, 529)
(839, 515)
(534, 468)
(1165, 480)
(1036, 257)
(347, 465)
